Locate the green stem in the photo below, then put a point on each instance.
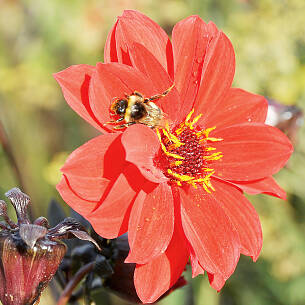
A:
(10, 156)
(79, 275)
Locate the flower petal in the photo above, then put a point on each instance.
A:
(110, 219)
(242, 215)
(250, 151)
(110, 50)
(80, 205)
(151, 224)
(217, 75)
(238, 107)
(210, 232)
(89, 170)
(74, 82)
(266, 186)
(114, 80)
(141, 145)
(190, 41)
(90, 167)
(156, 277)
(87, 188)
(145, 61)
(196, 268)
(216, 281)
(133, 27)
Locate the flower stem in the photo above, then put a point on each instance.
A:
(10, 156)
(80, 274)
(7, 148)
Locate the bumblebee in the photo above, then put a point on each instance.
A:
(136, 109)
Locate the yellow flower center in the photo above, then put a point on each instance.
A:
(186, 153)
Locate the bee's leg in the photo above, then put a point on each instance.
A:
(137, 94)
(168, 90)
(124, 125)
(114, 122)
(158, 96)
(148, 125)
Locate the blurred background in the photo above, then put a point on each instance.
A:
(39, 130)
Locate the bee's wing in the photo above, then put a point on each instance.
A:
(155, 116)
(165, 121)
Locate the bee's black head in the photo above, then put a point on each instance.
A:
(120, 106)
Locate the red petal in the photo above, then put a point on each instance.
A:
(81, 206)
(250, 151)
(110, 219)
(87, 174)
(87, 188)
(210, 232)
(216, 281)
(238, 107)
(74, 82)
(217, 76)
(85, 166)
(190, 41)
(242, 215)
(133, 27)
(196, 268)
(112, 81)
(212, 28)
(151, 224)
(141, 145)
(110, 51)
(156, 277)
(266, 186)
(100, 157)
(143, 60)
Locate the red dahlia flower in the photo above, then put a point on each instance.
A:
(177, 190)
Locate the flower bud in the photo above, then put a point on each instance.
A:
(26, 270)
(30, 253)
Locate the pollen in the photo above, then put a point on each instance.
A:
(186, 153)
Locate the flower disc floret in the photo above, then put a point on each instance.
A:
(186, 153)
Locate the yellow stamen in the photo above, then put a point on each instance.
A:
(184, 178)
(215, 156)
(166, 133)
(188, 117)
(210, 148)
(167, 126)
(176, 163)
(210, 139)
(164, 148)
(176, 140)
(196, 119)
(214, 139)
(205, 132)
(172, 146)
(175, 156)
(208, 169)
(180, 130)
(172, 138)
(209, 184)
(206, 188)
